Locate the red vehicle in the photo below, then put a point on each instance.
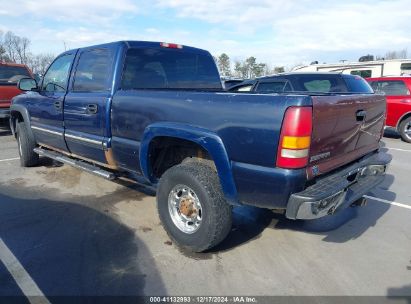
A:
(10, 74)
(397, 90)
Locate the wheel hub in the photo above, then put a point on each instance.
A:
(187, 207)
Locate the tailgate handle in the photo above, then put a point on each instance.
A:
(361, 115)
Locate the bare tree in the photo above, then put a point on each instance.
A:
(3, 56)
(16, 48)
(40, 62)
(8, 44)
(22, 45)
(399, 54)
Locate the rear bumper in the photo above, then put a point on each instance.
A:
(4, 112)
(340, 189)
(265, 187)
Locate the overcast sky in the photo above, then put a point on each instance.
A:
(277, 32)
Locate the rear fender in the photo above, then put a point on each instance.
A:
(210, 141)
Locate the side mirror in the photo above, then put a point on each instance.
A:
(27, 84)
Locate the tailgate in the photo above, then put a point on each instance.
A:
(344, 129)
(7, 92)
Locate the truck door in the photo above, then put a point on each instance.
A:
(87, 104)
(46, 106)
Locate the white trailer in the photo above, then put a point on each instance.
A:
(377, 68)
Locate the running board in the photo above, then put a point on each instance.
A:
(79, 164)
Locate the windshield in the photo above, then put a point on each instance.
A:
(12, 74)
(154, 68)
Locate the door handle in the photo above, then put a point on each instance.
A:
(92, 108)
(360, 115)
(57, 105)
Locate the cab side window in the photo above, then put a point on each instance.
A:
(56, 77)
(93, 71)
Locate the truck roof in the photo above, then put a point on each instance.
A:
(144, 44)
(300, 73)
(3, 63)
(314, 74)
(278, 76)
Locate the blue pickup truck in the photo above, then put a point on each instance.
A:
(156, 113)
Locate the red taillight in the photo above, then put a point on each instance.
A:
(171, 45)
(295, 139)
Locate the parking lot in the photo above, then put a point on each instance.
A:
(66, 232)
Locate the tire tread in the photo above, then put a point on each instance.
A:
(27, 158)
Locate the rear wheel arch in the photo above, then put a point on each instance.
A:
(165, 152)
(208, 146)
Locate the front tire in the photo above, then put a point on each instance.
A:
(26, 144)
(192, 207)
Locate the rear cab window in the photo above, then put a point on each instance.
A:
(357, 84)
(277, 86)
(323, 86)
(12, 74)
(331, 83)
(319, 83)
(154, 68)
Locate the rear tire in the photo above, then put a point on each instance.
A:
(26, 144)
(198, 183)
(405, 130)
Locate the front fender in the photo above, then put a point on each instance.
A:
(22, 110)
(210, 141)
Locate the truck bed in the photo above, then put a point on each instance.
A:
(249, 124)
